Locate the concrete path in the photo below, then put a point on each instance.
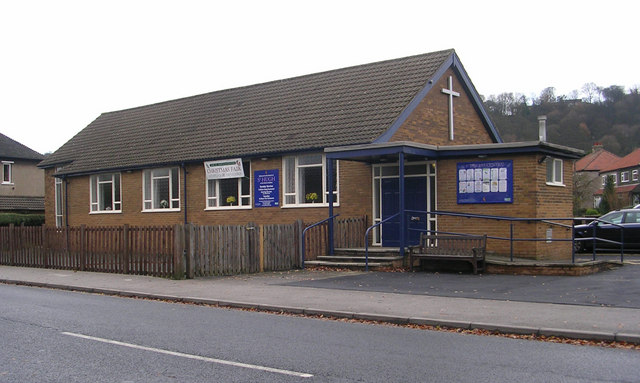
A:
(332, 293)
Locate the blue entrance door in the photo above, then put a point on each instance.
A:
(415, 191)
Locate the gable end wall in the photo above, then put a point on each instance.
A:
(429, 122)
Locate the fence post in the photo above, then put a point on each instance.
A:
(125, 249)
(12, 256)
(45, 247)
(261, 247)
(301, 249)
(190, 240)
(83, 244)
(178, 252)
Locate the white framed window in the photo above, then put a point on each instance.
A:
(230, 193)
(7, 170)
(634, 175)
(161, 189)
(106, 193)
(555, 172)
(305, 180)
(59, 202)
(624, 177)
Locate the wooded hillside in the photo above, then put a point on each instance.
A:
(609, 115)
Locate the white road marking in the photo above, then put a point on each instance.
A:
(190, 356)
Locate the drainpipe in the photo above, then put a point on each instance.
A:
(330, 171)
(184, 172)
(66, 201)
(402, 212)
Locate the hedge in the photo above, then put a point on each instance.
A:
(18, 219)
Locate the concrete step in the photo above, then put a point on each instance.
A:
(358, 258)
(349, 265)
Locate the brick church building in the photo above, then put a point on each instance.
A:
(346, 142)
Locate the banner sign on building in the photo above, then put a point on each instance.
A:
(267, 189)
(485, 182)
(216, 170)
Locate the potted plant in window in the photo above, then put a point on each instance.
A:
(164, 204)
(311, 197)
(231, 200)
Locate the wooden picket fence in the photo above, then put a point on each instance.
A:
(171, 251)
(123, 249)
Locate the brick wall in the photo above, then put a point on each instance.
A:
(429, 122)
(532, 197)
(355, 200)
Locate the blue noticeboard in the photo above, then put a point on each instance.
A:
(485, 182)
(267, 188)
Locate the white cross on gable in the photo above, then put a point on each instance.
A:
(451, 94)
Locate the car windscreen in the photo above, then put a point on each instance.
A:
(613, 217)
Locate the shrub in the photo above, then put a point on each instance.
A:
(18, 219)
(592, 212)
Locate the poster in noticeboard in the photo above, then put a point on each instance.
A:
(267, 191)
(485, 182)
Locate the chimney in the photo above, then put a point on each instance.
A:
(597, 146)
(542, 128)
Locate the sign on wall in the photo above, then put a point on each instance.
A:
(224, 169)
(267, 189)
(485, 182)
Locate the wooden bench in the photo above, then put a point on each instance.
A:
(469, 248)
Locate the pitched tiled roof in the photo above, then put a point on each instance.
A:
(595, 161)
(630, 160)
(621, 189)
(11, 149)
(11, 203)
(341, 107)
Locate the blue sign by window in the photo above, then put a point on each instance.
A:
(485, 182)
(267, 188)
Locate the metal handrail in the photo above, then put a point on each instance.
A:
(544, 220)
(366, 239)
(309, 227)
(594, 238)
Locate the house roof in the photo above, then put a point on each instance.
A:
(348, 106)
(630, 160)
(13, 203)
(621, 189)
(595, 161)
(11, 149)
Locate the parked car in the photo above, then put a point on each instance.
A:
(608, 227)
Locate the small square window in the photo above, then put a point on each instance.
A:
(230, 192)
(624, 177)
(306, 181)
(161, 189)
(106, 193)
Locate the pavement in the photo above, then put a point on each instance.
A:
(602, 306)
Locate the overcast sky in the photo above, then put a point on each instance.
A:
(63, 63)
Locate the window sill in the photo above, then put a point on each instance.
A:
(312, 205)
(106, 212)
(160, 210)
(555, 184)
(8, 183)
(227, 208)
